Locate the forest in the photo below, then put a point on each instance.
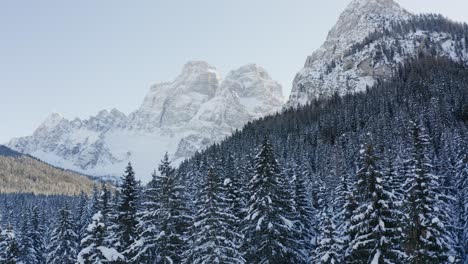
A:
(373, 177)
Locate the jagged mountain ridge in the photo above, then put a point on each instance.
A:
(195, 110)
(386, 35)
(199, 108)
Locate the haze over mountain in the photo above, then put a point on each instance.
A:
(198, 108)
(181, 117)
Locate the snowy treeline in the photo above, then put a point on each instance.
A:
(377, 177)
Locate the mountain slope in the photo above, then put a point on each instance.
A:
(188, 114)
(321, 144)
(24, 174)
(369, 40)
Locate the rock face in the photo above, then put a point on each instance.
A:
(365, 45)
(181, 117)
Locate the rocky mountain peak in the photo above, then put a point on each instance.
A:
(51, 121)
(356, 22)
(251, 80)
(181, 117)
(196, 67)
(365, 46)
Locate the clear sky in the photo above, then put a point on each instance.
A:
(79, 57)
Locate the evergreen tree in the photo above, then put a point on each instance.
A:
(145, 248)
(63, 246)
(376, 234)
(173, 216)
(105, 204)
(93, 246)
(235, 191)
(304, 207)
(125, 225)
(214, 237)
(9, 247)
(81, 218)
(36, 235)
(328, 243)
(24, 240)
(347, 204)
(271, 221)
(425, 233)
(462, 200)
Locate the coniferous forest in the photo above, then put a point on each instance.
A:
(374, 177)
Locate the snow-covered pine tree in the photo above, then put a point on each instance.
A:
(24, 240)
(63, 247)
(125, 226)
(93, 205)
(328, 242)
(345, 203)
(81, 218)
(426, 238)
(271, 220)
(105, 204)
(9, 247)
(215, 234)
(374, 223)
(174, 217)
(319, 196)
(303, 206)
(235, 193)
(36, 235)
(446, 168)
(144, 250)
(461, 169)
(93, 246)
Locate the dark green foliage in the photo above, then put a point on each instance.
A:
(214, 236)
(271, 229)
(125, 226)
(374, 224)
(427, 240)
(63, 245)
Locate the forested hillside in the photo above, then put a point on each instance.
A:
(378, 174)
(23, 174)
(375, 177)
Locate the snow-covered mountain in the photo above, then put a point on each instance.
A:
(370, 38)
(195, 110)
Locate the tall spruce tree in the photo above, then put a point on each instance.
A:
(215, 235)
(125, 225)
(271, 220)
(63, 246)
(81, 218)
(303, 204)
(174, 218)
(94, 249)
(374, 223)
(24, 241)
(9, 246)
(144, 250)
(328, 242)
(36, 235)
(461, 169)
(426, 237)
(345, 204)
(235, 193)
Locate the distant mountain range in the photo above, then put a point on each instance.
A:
(181, 117)
(199, 108)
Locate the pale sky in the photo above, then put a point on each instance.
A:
(79, 57)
